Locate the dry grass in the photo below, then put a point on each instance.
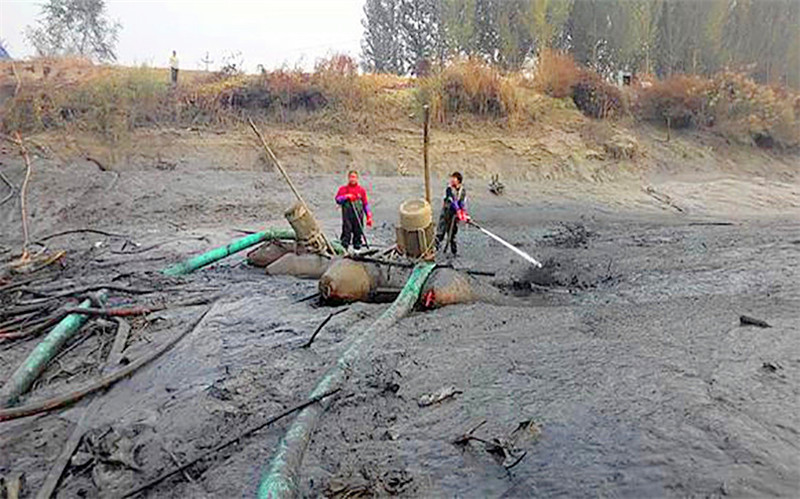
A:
(556, 74)
(469, 87)
(110, 102)
(731, 103)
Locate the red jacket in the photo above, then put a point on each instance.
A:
(359, 193)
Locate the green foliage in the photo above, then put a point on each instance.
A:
(646, 36)
(74, 27)
(380, 51)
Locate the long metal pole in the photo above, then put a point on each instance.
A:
(507, 245)
(426, 139)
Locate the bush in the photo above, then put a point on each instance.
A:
(469, 86)
(556, 74)
(732, 103)
(595, 97)
(768, 116)
(679, 101)
(108, 103)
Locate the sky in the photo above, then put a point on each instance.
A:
(272, 33)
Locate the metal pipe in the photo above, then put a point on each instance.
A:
(195, 262)
(507, 244)
(282, 478)
(26, 374)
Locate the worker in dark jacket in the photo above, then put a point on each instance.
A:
(454, 209)
(353, 200)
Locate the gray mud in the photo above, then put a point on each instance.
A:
(625, 350)
(641, 379)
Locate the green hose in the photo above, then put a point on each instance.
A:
(195, 262)
(282, 479)
(25, 375)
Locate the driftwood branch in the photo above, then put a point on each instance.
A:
(133, 311)
(24, 196)
(12, 187)
(75, 231)
(308, 298)
(95, 287)
(322, 325)
(100, 165)
(746, 320)
(102, 383)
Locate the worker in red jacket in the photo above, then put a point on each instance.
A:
(353, 200)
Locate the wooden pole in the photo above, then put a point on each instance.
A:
(278, 165)
(426, 139)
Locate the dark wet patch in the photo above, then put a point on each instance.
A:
(569, 235)
(558, 275)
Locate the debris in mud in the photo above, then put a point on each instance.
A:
(219, 393)
(495, 186)
(569, 235)
(771, 366)
(369, 482)
(662, 198)
(113, 447)
(322, 325)
(438, 396)
(506, 450)
(395, 481)
(351, 487)
(746, 320)
(165, 165)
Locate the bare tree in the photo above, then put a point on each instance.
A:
(75, 27)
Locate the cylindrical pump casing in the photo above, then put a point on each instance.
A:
(306, 228)
(415, 231)
(303, 222)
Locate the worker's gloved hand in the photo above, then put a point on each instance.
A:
(350, 197)
(369, 219)
(462, 215)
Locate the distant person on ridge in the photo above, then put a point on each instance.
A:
(173, 66)
(454, 208)
(353, 200)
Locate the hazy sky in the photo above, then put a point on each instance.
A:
(268, 32)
